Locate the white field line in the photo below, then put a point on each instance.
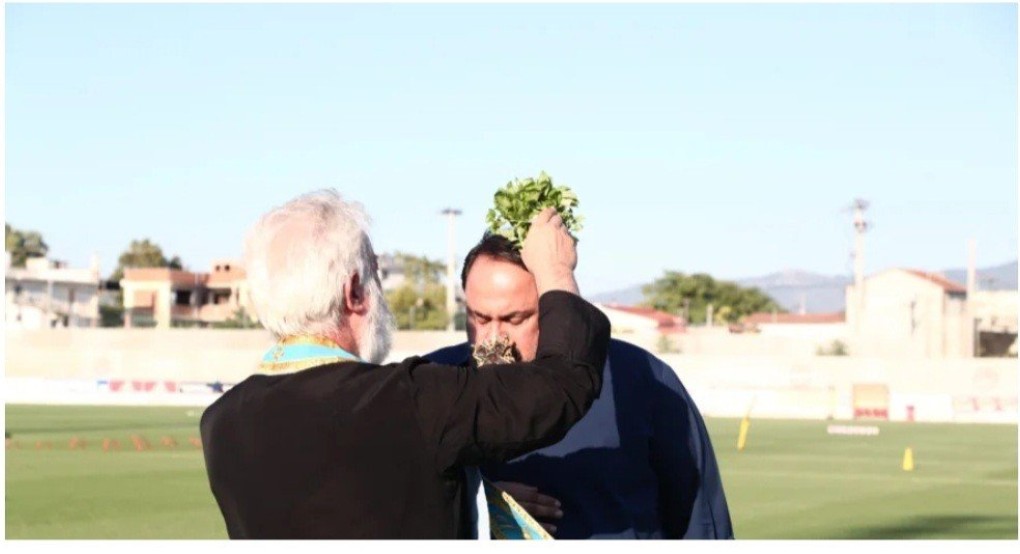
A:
(928, 460)
(913, 478)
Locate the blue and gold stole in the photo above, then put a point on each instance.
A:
(293, 354)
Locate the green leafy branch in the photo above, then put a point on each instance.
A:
(520, 200)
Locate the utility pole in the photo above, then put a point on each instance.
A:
(860, 227)
(971, 268)
(971, 298)
(451, 266)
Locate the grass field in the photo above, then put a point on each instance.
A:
(792, 481)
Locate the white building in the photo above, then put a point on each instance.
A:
(995, 319)
(909, 313)
(634, 319)
(162, 297)
(46, 294)
(391, 273)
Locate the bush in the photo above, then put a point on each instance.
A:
(239, 320)
(836, 348)
(111, 316)
(667, 346)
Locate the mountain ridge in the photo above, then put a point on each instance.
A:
(821, 293)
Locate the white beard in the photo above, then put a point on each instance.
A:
(377, 335)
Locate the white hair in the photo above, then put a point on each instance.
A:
(298, 257)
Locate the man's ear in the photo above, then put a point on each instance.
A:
(355, 299)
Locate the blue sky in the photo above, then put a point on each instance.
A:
(724, 138)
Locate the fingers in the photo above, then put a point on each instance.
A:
(545, 501)
(537, 510)
(548, 216)
(549, 253)
(537, 504)
(544, 216)
(549, 527)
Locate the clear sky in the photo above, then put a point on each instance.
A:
(725, 138)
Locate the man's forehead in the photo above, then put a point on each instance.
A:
(496, 304)
(488, 272)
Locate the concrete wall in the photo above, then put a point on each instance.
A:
(719, 341)
(817, 333)
(820, 387)
(228, 355)
(622, 321)
(778, 384)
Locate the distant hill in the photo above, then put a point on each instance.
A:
(628, 296)
(818, 293)
(824, 293)
(999, 277)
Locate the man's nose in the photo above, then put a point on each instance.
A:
(493, 330)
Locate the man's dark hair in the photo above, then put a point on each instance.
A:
(493, 246)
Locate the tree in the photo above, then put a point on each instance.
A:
(111, 316)
(675, 291)
(414, 309)
(419, 270)
(143, 253)
(724, 315)
(420, 302)
(23, 245)
(666, 345)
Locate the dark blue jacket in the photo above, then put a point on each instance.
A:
(638, 465)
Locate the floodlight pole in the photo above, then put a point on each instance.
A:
(451, 266)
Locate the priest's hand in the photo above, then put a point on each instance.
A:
(550, 253)
(540, 506)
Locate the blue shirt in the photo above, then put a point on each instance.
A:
(639, 464)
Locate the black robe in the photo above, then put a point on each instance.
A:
(356, 450)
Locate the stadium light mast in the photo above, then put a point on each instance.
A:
(451, 266)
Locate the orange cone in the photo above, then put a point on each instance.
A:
(140, 443)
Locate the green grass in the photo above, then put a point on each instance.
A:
(62, 493)
(791, 481)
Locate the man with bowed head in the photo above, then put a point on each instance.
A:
(323, 442)
(639, 465)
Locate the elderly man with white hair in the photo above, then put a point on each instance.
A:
(323, 442)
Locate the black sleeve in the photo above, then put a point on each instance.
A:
(495, 413)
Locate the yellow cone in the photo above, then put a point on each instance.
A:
(908, 459)
(745, 424)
